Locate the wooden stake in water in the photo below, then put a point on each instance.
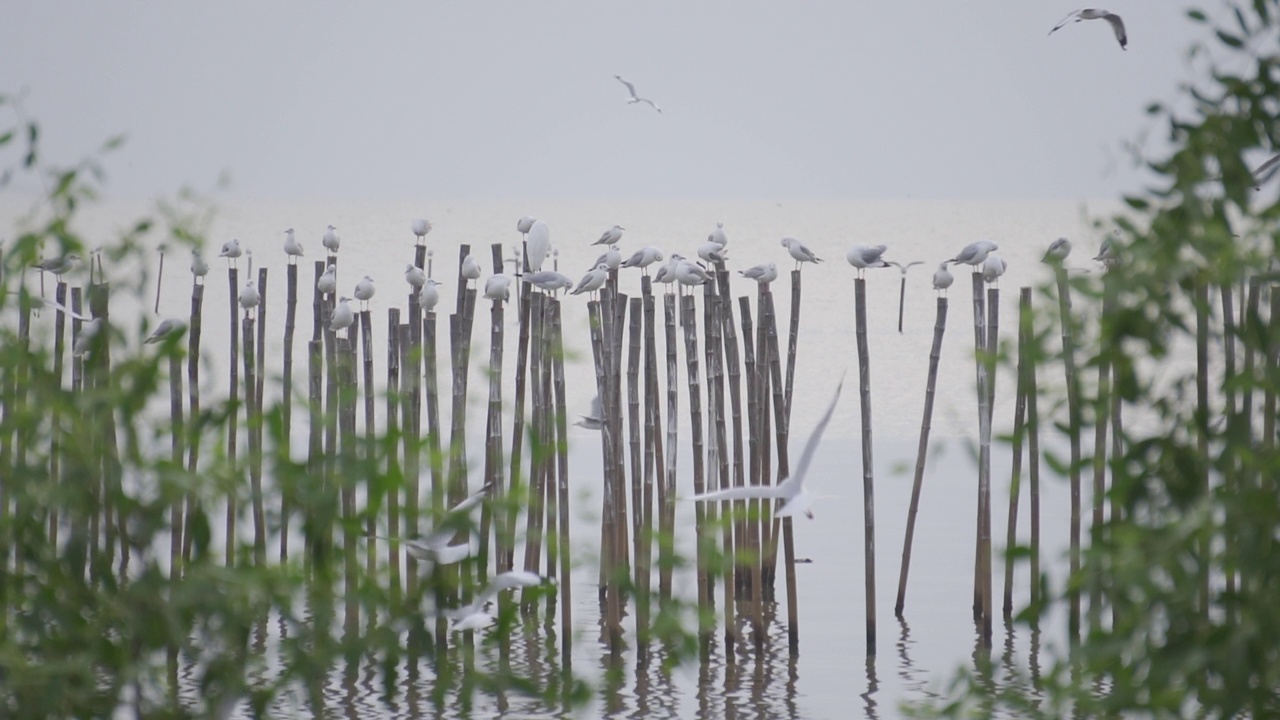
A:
(176, 437)
(286, 397)
(1203, 414)
(1073, 433)
(55, 452)
(506, 557)
(666, 517)
(193, 393)
(688, 321)
(252, 419)
(653, 469)
(370, 451)
(1101, 410)
(1033, 457)
(992, 338)
(1019, 431)
(562, 486)
(233, 282)
(868, 482)
(922, 450)
(393, 463)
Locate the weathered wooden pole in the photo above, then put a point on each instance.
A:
(250, 419)
(286, 398)
(370, 449)
(688, 321)
(1101, 411)
(1019, 433)
(55, 451)
(233, 433)
(1073, 433)
(868, 480)
(562, 487)
(667, 490)
(393, 462)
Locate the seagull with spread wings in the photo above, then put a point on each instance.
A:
(636, 98)
(1117, 25)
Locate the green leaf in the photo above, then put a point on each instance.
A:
(1197, 16)
(1136, 203)
(5, 138)
(1229, 39)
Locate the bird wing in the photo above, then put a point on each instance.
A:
(451, 554)
(472, 500)
(913, 262)
(1065, 20)
(630, 88)
(651, 104)
(746, 492)
(811, 445)
(1117, 26)
(53, 304)
(596, 410)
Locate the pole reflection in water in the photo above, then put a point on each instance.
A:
(914, 680)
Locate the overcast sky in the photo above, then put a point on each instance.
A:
(911, 98)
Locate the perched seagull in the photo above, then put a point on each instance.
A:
(992, 268)
(762, 274)
(942, 277)
(712, 252)
(476, 615)
(611, 257)
(667, 273)
(548, 280)
(975, 252)
(691, 274)
(167, 327)
(798, 251)
(498, 287)
(1107, 254)
(643, 258)
(594, 420)
(420, 227)
(428, 296)
(58, 265)
(343, 317)
(470, 268)
(610, 236)
(331, 240)
(328, 282)
(415, 276)
(592, 281)
(364, 290)
(795, 500)
(199, 268)
(292, 247)
(717, 236)
(87, 333)
(1117, 25)
(1058, 251)
(249, 297)
(231, 250)
(1266, 171)
(537, 244)
(863, 257)
(636, 98)
(525, 224)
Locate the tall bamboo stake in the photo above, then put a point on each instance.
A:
(251, 418)
(393, 462)
(493, 470)
(345, 478)
(769, 528)
(868, 482)
(434, 457)
(315, 410)
(1073, 432)
(633, 430)
(562, 486)
(992, 337)
(1019, 431)
(653, 470)
(537, 475)
(233, 282)
(688, 322)
(193, 392)
(1033, 457)
(718, 460)
(1102, 408)
(370, 449)
(793, 337)
(754, 581)
(1230, 479)
(922, 450)
(55, 452)
(667, 490)
(1202, 416)
(506, 558)
(286, 398)
(176, 437)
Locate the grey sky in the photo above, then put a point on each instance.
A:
(934, 99)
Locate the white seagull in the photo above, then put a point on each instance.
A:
(420, 228)
(610, 236)
(611, 258)
(942, 277)
(414, 276)
(631, 89)
(435, 547)
(798, 251)
(498, 287)
(717, 236)
(594, 420)
(59, 307)
(331, 240)
(476, 615)
(88, 332)
(992, 268)
(667, 273)
(364, 290)
(167, 327)
(548, 280)
(58, 265)
(328, 282)
(525, 224)
(428, 296)
(249, 297)
(762, 274)
(1107, 254)
(1117, 25)
(643, 258)
(199, 268)
(712, 252)
(470, 268)
(292, 247)
(863, 257)
(592, 281)
(975, 252)
(689, 273)
(795, 500)
(537, 243)
(1058, 251)
(343, 316)
(231, 250)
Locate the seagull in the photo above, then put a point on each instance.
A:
(415, 276)
(667, 273)
(611, 257)
(548, 280)
(498, 287)
(1107, 254)
(525, 224)
(795, 500)
(992, 268)
(536, 244)
(1058, 251)
(343, 317)
(87, 333)
(58, 265)
(167, 327)
(330, 240)
(364, 291)
(231, 250)
(428, 296)
(435, 547)
(942, 277)
(975, 252)
(717, 236)
(249, 297)
(420, 227)
(610, 236)
(328, 282)
(643, 258)
(592, 281)
(1266, 171)
(199, 268)
(1117, 25)
(762, 274)
(636, 98)
(798, 251)
(689, 273)
(476, 614)
(470, 268)
(863, 257)
(292, 247)
(595, 419)
(712, 252)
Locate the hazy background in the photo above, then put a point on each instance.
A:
(517, 99)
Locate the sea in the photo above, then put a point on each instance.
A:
(832, 675)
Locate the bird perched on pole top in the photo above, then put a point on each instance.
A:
(592, 281)
(364, 290)
(249, 297)
(231, 250)
(975, 253)
(548, 280)
(643, 258)
(1058, 251)
(292, 247)
(762, 274)
(799, 252)
(470, 268)
(717, 236)
(199, 268)
(525, 223)
(863, 257)
(167, 327)
(992, 268)
(420, 227)
(610, 258)
(343, 316)
(942, 277)
(328, 282)
(428, 296)
(537, 244)
(331, 240)
(414, 275)
(712, 252)
(498, 287)
(610, 236)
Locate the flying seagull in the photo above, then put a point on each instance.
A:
(636, 98)
(1117, 25)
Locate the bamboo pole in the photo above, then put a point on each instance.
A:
(286, 399)
(251, 418)
(729, 335)
(261, 313)
(688, 322)
(193, 393)
(667, 490)
(1073, 433)
(176, 437)
(633, 430)
(393, 462)
(992, 337)
(653, 470)
(782, 433)
(233, 282)
(538, 451)
(493, 466)
(1102, 408)
(370, 449)
(562, 488)
(547, 488)
(718, 460)
(753, 579)
(1019, 432)
(793, 337)
(868, 482)
(55, 452)
(506, 558)
(347, 394)
(768, 526)
(1202, 417)
(315, 410)
(435, 458)
(1033, 457)
(922, 450)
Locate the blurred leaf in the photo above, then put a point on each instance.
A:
(1229, 39)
